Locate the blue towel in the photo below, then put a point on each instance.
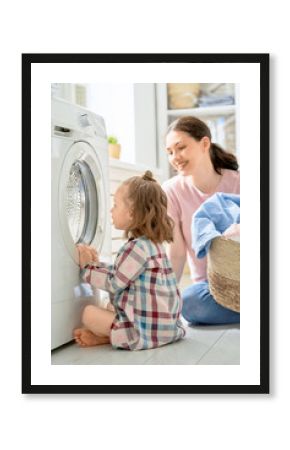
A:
(212, 218)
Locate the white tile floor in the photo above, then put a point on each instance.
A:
(202, 345)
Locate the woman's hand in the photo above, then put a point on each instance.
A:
(87, 255)
(232, 232)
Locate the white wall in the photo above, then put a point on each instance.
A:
(129, 113)
(145, 124)
(115, 102)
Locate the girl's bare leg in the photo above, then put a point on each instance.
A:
(97, 327)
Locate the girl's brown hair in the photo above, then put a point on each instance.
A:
(198, 129)
(149, 209)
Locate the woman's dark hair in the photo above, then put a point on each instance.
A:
(198, 129)
(149, 209)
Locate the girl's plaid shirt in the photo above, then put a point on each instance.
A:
(144, 293)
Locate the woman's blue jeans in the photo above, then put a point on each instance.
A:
(200, 308)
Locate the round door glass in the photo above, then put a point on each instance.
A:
(81, 203)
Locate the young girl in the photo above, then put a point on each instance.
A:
(142, 285)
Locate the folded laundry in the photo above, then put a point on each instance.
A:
(212, 219)
(211, 100)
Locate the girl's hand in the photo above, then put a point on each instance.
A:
(87, 255)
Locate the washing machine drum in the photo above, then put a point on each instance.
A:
(81, 198)
(81, 203)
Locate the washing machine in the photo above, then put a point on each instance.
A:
(80, 211)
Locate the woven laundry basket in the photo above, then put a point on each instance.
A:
(183, 95)
(223, 266)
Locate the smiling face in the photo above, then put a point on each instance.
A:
(185, 153)
(121, 212)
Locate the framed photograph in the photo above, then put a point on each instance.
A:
(92, 121)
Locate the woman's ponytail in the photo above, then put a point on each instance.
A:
(222, 159)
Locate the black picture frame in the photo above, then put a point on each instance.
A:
(263, 61)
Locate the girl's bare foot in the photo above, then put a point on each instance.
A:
(85, 338)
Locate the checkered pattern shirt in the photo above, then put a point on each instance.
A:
(144, 293)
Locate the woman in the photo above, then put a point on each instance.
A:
(203, 169)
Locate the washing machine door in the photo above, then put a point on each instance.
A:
(82, 201)
(79, 216)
